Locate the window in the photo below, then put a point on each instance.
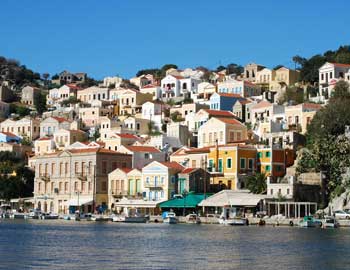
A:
(250, 163)
(288, 191)
(267, 168)
(75, 186)
(242, 163)
(147, 180)
(66, 186)
(232, 136)
(146, 155)
(76, 167)
(194, 164)
(173, 179)
(229, 163)
(104, 185)
(278, 168)
(271, 191)
(104, 167)
(221, 136)
(162, 180)
(267, 154)
(220, 169)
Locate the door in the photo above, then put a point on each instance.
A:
(131, 187)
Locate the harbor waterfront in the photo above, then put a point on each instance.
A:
(58, 244)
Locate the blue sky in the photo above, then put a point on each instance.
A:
(105, 38)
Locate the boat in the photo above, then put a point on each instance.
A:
(16, 215)
(235, 221)
(193, 218)
(169, 218)
(310, 222)
(330, 222)
(118, 218)
(49, 216)
(136, 219)
(34, 214)
(100, 218)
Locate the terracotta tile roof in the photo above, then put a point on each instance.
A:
(44, 139)
(60, 119)
(229, 95)
(9, 134)
(173, 165)
(312, 106)
(127, 136)
(178, 77)
(230, 121)
(198, 150)
(126, 170)
(150, 86)
(149, 149)
(73, 86)
(189, 170)
(262, 104)
(341, 65)
(218, 112)
(95, 150)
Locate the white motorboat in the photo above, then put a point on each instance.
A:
(193, 218)
(236, 221)
(49, 216)
(137, 219)
(330, 222)
(99, 218)
(118, 218)
(169, 218)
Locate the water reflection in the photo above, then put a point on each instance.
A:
(67, 245)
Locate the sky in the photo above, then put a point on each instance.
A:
(108, 38)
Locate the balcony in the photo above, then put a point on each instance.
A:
(119, 193)
(45, 177)
(154, 185)
(81, 176)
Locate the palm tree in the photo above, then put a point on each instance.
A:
(257, 183)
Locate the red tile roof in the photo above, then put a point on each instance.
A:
(127, 136)
(341, 65)
(189, 170)
(126, 170)
(9, 134)
(178, 77)
(312, 106)
(150, 86)
(149, 149)
(60, 119)
(95, 150)
(230, 121)
(173, 165)
(230, 95)
(198, 150)
(44, 139)
(262, 104)
(218, 113)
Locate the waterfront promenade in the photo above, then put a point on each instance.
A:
(62, 245)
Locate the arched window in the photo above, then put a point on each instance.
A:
(184, 86)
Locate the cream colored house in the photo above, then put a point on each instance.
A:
(29, 95)
(154, 90)
(115, 141)
(130, 101)
(91, 116)
(76, 178)
(298, 117)
(44, 145)
(191, 157)
(64, 138)
(205, 89)
(221, 131)
(52, 124)
(124, 182)
(159, 180)
(25, 127)
(20, 150)
(57, 95)
(136, 125)
(89, 94)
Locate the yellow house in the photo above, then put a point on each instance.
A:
(230, 164)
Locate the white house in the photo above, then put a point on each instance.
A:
(152, 111)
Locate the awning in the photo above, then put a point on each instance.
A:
(24, 200)
(136, 203)
(242, 198)
(190, 201)
(82, 201)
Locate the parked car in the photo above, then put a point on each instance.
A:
(340, 214)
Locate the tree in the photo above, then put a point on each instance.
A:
(55, 77)
(293, 95)
(20, 110)
(341, 90)
(257, 183)
(220, 68)
(277, 67)
(70, 100)
(234, 69)
(40, 102)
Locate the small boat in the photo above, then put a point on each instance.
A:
(118, 218)
(136, 219)
(49, 216)
(330, 222)
(100, 218)
(17, 215)
(193, 218)
(310, 222)
(169, 218)
(235, 221)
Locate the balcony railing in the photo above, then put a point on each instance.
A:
(81, 176)
(45, 177)
(153, 184)
(118, 192)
